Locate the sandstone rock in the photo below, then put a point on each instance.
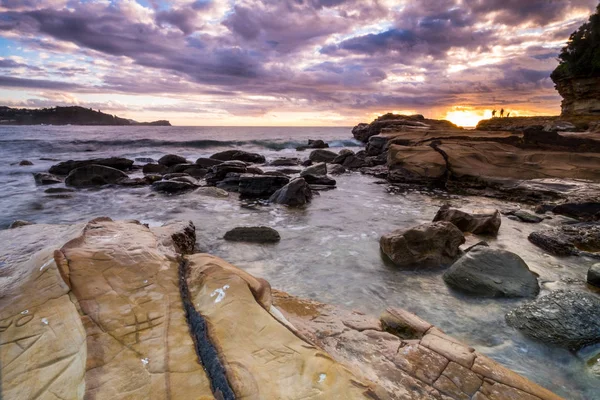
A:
(295, 193)
(564, 318)
(486, 272)
(593, 275)
(260, 185)
(335, 169)
(172, 159)
(211, 191)
(207, 162)
(576, 239)
(474, 223)
(42, 178)
(580, 96)
(94, 175)
(254, 234)
(319, 169)
(404, 324)
(240, 155)
(173, 186)
(395, 122)
(65, 167)
(155, 169)
(419, 164)
(428, 245)
(321, 155)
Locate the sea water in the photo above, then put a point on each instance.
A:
(329, 250)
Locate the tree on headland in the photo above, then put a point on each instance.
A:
(580, 58)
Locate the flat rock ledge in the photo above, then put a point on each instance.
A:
(118, 310)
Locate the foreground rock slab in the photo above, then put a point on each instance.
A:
(488, 223)
(565, 318)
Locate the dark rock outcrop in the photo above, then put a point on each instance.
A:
(487, 272)
(319, 180)
(313, 144)
(24, 163)
(525, 216)
(567, 240)
(240, 155)
(295, 193)
(260, 185)
(319, 169)
(285, 162)
(42, 178)
(474, 223)
(593, 275)
(321, 155)
(207, 162)
(254, 234)
(94, 175)
(217, 173)
(428, 245)
(63, 168)
(172, 187)
(155, 169)
(336, 169)
(396, 122)
(563, 318)
(172, 159)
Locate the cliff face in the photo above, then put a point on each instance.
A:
(581, 96)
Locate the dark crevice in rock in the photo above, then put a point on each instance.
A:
(206, 351)
(444, 181)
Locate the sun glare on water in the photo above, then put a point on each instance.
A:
(467, 118)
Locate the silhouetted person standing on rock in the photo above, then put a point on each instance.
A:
(502, 113)
(493, 113)
(508, 114)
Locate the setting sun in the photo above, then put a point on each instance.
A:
(467, 118)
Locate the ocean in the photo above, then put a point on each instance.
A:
(329, 250)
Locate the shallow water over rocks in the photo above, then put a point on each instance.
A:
(329, 251)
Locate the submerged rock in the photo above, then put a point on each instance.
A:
(172, 159)
(428, 245)
(42, 178)
(320, 155)
(295, 193)
(487, 272)
(254, 234)
(240, 155)
(474, 223)
(65, 167)
(593, 275)
(94, 175)
(563, 318)
(260, 185)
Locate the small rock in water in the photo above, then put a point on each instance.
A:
(94, 175)
(593, 275)
(25, 163)
(18, 223)
(527, 217)
(296, 193)
(171, 159)
(42, 178)
(211, 191)
(239, 155)
(254, 234)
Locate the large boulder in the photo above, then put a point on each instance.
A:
(172, 159)
(65, 167)
(563, 318)
(321, 155)
(217, 173)
(427, 245)
(240, 155)
(254, 234)
(474, 223)
(261, 185)
(487, 272)
(94, 175)
(295, 193)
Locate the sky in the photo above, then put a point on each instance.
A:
(286, 62)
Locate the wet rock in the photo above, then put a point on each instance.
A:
(593, 365)
(278, 173)
(427, 245)
(172, 159)
(525, 216)
(261, 185)
(474, 223)
(155, 169)
(133, 182)
(239, 155)
(231, 183)
(151, 178)
(254, 234)
(25, 163)
(376, 145)
(593, 275)
(576, 239)
(319, 180)
(218, 172)
(145, 160)
(167, 177)
(254, 170)
(354, 161)
(177, 168)
(380, 171)
(486, 272)
(58, 190)
(196, 171)
(184, 178)
(94, 175)
(319, 169)
(207, 162)
(580, 210)
(313, 144)
(295, 193)
(18, 223)
(285, 162)
(403, 324)
(173, 186)
(286, 171)
(342, 155)
(335, 169)
(65, 167)
(563, 318)
(321, 155)
(211, 191)
(42, 178)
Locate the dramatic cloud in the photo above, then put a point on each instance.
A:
(255, 58)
